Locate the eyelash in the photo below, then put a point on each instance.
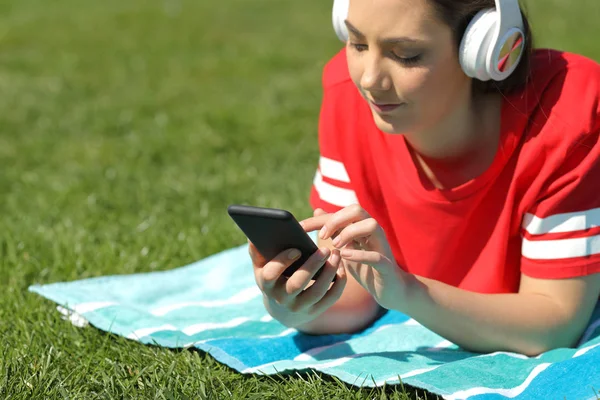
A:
(403, 60)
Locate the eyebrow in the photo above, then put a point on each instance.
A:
(402, 39)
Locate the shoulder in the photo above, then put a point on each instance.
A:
(563, 87)
(559, 113)
(549, 62)
(560, 106)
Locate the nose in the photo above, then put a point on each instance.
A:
(374, 76)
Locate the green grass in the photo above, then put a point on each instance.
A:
(126, 127)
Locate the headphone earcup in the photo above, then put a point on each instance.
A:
(339, 15)
(475, 44)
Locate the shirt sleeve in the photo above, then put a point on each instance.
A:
(561, 231)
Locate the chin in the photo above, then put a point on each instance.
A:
(390, 124)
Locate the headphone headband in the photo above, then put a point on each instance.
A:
(339, 15)
(509, 15)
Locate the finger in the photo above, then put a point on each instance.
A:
(272, 270)
(359, 231)
(314, 223)
(303, 275)
(373, 258)
(332, 295)
(341, 219)
(318, 212)
(314, 293)
(258, 262)
(257, 259)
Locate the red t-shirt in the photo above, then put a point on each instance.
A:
(535, 210)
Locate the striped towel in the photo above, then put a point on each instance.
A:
(214, 305)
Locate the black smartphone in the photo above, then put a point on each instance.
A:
(272, 231)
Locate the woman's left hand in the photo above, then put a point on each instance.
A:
(366, 252)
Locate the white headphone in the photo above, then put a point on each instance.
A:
(491, 47)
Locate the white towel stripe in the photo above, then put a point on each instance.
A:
(441, 345)
(559, 249)
(339, 361)
(417, 372)
(196, 328)
(512, 392)
(333, 169)
(266, 318)
(506, 353)
(193, 329)
(286, 332)
(559, 223)
(316, 365)
(332, 194)
(581, 352)
(140, 333)
(405, 375)
(240, 298)
(83, 308)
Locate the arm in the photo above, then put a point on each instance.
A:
(352, 312)
(545, 314)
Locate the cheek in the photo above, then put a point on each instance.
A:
(448, 77)
(414, 84)
(436, 88)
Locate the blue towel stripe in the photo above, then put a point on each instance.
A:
(214, 305)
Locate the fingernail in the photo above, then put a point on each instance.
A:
(293, 254)
(346, 253)
(337, 241)
(334, 259)
(325, 253)
(341, 271)
(323, 232)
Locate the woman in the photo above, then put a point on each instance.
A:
(470, 204)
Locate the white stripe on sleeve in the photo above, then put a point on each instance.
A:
(568, 222)
(332, 194)
(559, 249)
(333, 169)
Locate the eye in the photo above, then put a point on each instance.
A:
(407, 60)
(358, 47)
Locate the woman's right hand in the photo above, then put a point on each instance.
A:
(293, 301)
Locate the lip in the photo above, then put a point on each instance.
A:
(385, 107)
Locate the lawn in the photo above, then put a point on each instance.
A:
(126, 128)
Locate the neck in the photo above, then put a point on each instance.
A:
(462, 146)
(455, 135)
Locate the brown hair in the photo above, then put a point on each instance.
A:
(458, 13)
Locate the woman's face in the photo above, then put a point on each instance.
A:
(404, 61)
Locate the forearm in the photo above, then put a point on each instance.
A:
(342, 317)
(523, 323)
